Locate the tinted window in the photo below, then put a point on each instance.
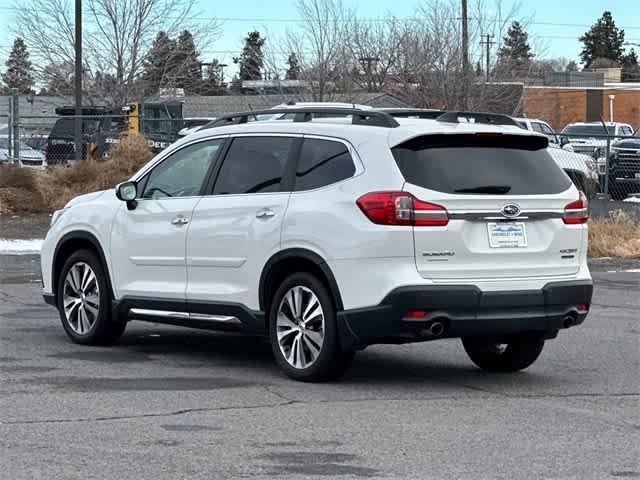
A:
(253, 165)
(595, 129)
(322, 162)
(182, 173)
(513, 165)
(536, 127)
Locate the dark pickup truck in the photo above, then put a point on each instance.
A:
(624, 167)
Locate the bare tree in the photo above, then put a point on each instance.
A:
(320, 46)
(117, 37)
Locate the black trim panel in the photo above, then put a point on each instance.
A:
(465, 310)
(307, 255)
(78, 235)
(50, 299)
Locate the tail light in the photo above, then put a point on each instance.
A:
(577, 212)
(401, 208)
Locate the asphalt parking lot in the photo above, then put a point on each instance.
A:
(168, 403)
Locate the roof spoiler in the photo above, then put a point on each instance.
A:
(478, 117)
(306, 114)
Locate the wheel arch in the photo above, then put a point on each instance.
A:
(72, 242)
(283, 263)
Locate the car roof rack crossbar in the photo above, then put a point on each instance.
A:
(422, 113)
(306, 114)
(478, 117)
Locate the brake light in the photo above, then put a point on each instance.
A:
(577, 212)
(401, 208)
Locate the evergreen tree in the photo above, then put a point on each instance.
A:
(294, 70)
(514, 57)
(251, 59)
(572, 66)
(630, 67)
(19, 71)
(213, 84)
(188, 69)
(603, 41)
(159, 68)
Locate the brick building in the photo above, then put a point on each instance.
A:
(562, 105)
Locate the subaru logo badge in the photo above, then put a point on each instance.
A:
(510, 210)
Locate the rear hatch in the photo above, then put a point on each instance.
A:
(505, 200)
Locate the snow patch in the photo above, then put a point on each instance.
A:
(20, 247)
(632, 199)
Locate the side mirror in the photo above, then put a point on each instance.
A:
(563, 141)
(127, 192)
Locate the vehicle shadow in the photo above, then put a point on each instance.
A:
(380, 365)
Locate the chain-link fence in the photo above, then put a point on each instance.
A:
(50, 140)
(603, 165)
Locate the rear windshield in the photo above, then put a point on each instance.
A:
(472, 164)
(65, 127)
(597, 129)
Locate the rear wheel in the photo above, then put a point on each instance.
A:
(303, 331)
(493, 356)
(84, 301)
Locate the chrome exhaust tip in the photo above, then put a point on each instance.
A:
(436, 329)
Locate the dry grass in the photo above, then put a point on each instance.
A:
(23, 190)
(616, 236)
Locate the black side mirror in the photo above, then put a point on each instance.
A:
(127, 192)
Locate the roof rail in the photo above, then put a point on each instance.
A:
(478, 117)
(423, 113)
(306, 114)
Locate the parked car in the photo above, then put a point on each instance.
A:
(28, 157)
(327, 238)
(542, 127)
(588, 137)
(624, 167)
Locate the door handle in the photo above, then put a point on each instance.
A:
(265, 213)
(179, 220)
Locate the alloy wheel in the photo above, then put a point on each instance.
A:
(300, 327)
(81, 298)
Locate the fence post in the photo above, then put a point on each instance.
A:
(15, 127)
(606, 169)
(10, 130)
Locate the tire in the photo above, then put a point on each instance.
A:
(496, 357)
(314, 364)
(83, 287)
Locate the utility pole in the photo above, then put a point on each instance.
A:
(487, 42)
(78, 82)
(465, 55)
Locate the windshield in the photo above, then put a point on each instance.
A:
(595, 129)
(4, 144)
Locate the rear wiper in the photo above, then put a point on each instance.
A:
(496, 189)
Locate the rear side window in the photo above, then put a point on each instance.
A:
(321, 163)
(476, 164)
(253, 165)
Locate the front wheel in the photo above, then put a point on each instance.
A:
(84, 301)
(519, 354)
(303, 331)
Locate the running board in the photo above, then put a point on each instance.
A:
(185, 319)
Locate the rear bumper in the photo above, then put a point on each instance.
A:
(465, 310)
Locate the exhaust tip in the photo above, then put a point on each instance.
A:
(436, 329)
(568, 321)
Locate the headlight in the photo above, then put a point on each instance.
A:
(56, 216)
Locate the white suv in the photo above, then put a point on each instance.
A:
(330, 237)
